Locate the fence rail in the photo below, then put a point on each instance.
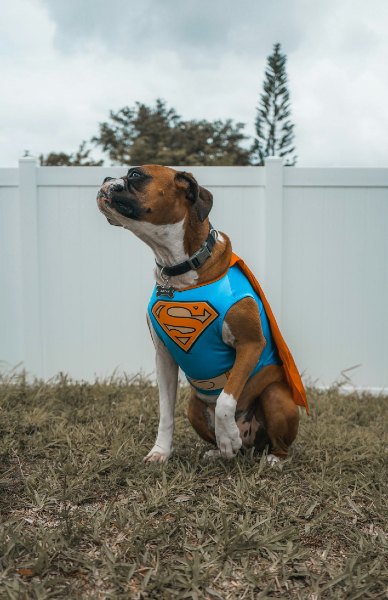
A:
(72, 299)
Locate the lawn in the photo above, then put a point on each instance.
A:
(82, 517)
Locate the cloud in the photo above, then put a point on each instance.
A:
(64, 65)
(339, 95)
(199, 31)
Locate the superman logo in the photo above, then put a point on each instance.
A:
(184, 322)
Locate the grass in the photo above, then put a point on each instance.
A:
(82, 517)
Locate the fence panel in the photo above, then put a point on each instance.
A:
(335, 278)
(11, 326)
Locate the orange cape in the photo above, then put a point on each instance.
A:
(293, 378)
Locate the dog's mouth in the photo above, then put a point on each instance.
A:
(124, 209)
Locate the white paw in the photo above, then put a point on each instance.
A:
(157, 455)
(229, 441)
(227, 433)
(212, 454)
(273, 461)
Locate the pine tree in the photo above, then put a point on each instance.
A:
(273, 128)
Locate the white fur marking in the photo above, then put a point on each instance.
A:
(273, 461)
(166, 241)
(227, 433)
(227, 336)
(212, 454)
(209, 398)
(120, 181)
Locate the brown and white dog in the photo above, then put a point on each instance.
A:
(168, 210)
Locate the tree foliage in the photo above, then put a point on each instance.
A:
(273, 127)
(158, 135)
(60, 159)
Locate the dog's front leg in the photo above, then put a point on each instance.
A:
(167, 376)
(242, 330)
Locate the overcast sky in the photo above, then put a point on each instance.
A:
(66, 63)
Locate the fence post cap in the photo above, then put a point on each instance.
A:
(273, 159)
(28, 159)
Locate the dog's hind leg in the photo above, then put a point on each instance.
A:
(281, 417)
(201, 417)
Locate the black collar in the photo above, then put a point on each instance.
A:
(195, 261)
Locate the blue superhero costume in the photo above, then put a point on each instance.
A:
(190, 326)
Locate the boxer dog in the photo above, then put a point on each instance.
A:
(168, 210)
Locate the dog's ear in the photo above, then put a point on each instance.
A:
(201, 199)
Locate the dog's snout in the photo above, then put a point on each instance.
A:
(111, 185)
(116, 187)
(113, 195)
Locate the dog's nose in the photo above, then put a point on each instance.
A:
(116, 187)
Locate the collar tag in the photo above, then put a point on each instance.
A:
(165, 290)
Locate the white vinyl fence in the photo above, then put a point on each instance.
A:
(74, 290)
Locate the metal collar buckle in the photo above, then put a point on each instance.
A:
(201, 256)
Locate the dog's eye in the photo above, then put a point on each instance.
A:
(134, 174)
(107, 179)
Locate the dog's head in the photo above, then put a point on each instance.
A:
(153, 194)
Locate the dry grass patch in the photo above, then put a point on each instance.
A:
(82, 517)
